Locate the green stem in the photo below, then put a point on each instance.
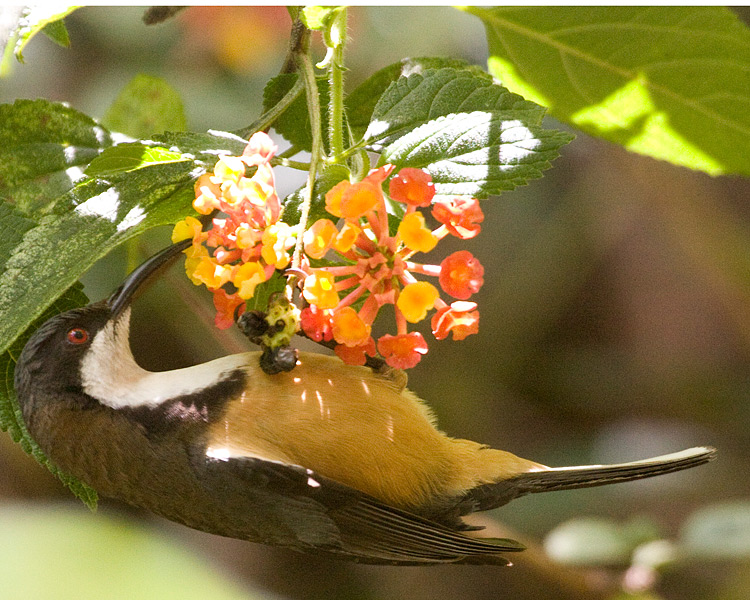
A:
(337, 39)
(267, 119)
(292, 164)
(307, 74)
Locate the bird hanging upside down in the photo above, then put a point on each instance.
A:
(328, 458)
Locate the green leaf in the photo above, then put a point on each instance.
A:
(90, 220)
(129, 157)
(13, 226)
(327, 178)
(476, 154)
(146, 105)
(51, 550)
(265, 290)
(414, 100)
(58, 33)
(11, 419)
(43, 146)
(665, 81)
(294, 123)
(720, 531)
(204, 148)
(35, 19)
(361, 102)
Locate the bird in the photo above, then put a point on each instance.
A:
(331, 459)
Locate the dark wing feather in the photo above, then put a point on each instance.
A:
(289, 505)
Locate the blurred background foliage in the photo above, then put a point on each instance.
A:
(615, 326)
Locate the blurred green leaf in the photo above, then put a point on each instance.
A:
(11, 419)
(595, 541)
(720, 531)
(66, 554)
(477, 154)
(43, 147)
(360, 104)
(668, 82)
(146, 106)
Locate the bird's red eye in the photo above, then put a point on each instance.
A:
(78, 335)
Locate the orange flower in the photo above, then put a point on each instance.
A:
(356, 355)
(334, 196)
(318, 238)
(460, 318)
(276, 240)
(461, 274)
(207, 195)
(316, 323)
(348, 327)
(412, 186)
(402, 351)
(226, 306)
(360, 198)
(461, 216)
(346, 237)
(247, 278)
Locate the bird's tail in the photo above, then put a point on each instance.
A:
(492, 495)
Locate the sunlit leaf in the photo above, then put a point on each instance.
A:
(44, 147)
(666, 81)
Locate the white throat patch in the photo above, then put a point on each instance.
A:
(110, 374)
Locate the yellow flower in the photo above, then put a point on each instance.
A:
(206, 195)
(247, 277)
(320, 290)
(189, 227)
(207, 271)
(228, 168)
(415, 234)
(276, 240)
(416, 299)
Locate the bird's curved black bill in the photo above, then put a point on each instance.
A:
(121, 297)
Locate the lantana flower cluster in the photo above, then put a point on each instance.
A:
(368, 267)
(249, 242)
(381, 270)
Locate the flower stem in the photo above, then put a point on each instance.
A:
(337, 38)
(307, 75)
(267, 119)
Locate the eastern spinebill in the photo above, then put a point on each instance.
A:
(329, 459)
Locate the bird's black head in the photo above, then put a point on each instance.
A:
(75, 345)
(49, 367)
